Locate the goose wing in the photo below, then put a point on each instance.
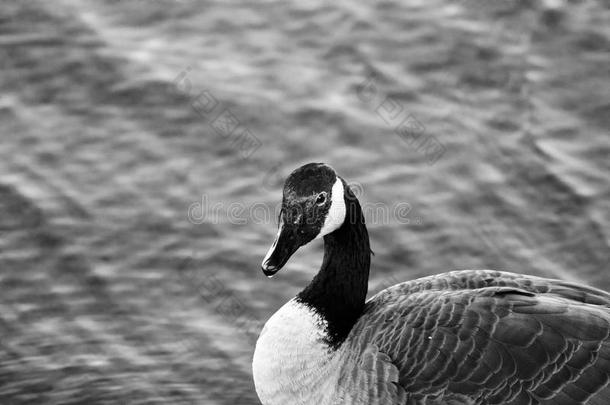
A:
(486, 337)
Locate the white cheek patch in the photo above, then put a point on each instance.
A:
(336, 212)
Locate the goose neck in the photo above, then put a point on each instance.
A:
(338, 292)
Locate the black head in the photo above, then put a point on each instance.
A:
(313, 205)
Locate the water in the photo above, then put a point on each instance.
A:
(127, 276)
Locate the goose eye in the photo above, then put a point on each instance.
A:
(321, 198)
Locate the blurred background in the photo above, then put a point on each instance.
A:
(144, 145)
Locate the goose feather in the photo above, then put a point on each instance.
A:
(484, 336)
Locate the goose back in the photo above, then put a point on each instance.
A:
(482, 337)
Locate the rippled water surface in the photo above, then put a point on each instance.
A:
(116, 123)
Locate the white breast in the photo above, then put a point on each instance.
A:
(291, 357)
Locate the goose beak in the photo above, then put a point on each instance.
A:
(284, 245)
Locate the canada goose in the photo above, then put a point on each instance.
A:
(463, 337)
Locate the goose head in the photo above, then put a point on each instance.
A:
(313, 205)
